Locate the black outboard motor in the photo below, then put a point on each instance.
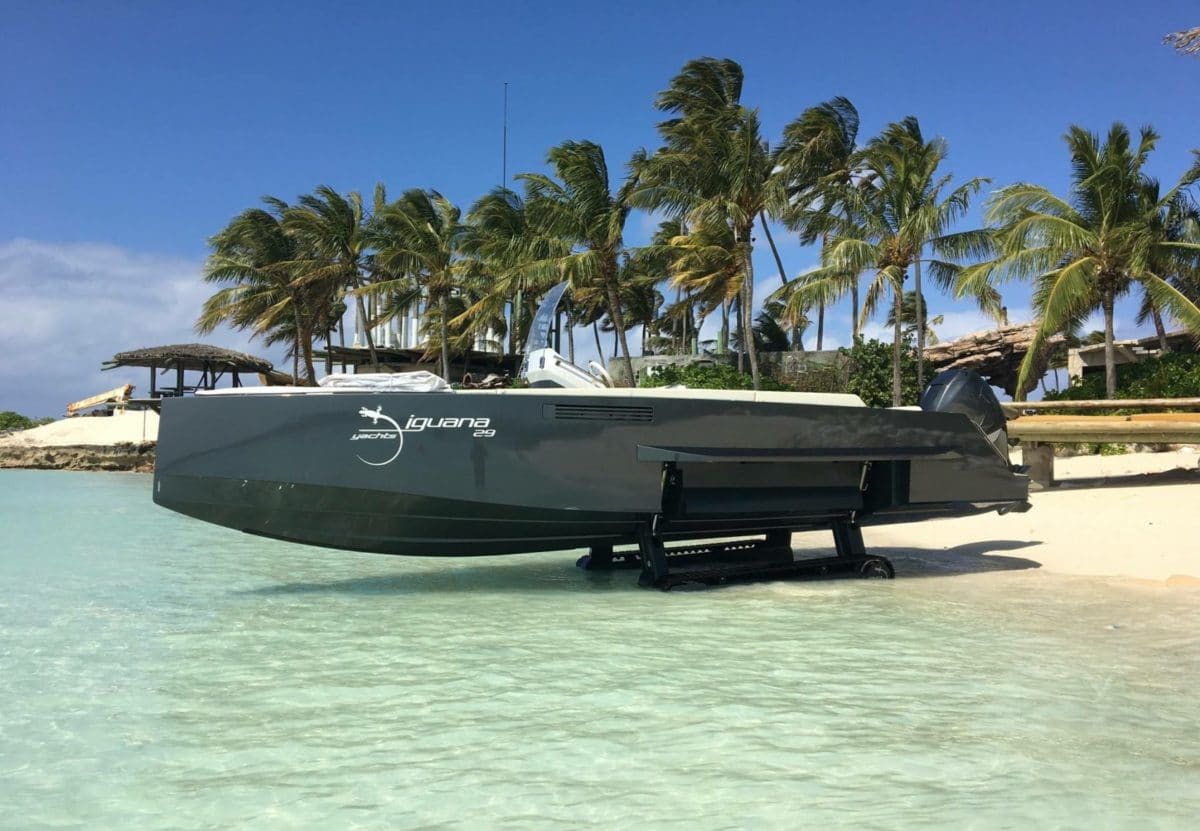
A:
(963, 391)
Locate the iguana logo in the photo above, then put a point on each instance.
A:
(481, 428)
(376, 433)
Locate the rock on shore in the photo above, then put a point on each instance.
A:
(126, 456)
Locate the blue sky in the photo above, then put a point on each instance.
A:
(132, 131)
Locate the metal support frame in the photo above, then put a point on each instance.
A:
(767, 559)
(716, 563)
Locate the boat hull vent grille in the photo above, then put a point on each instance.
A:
(599, 412)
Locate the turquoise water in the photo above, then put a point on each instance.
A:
(156, 672)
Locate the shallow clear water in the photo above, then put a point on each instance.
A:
(157, 672)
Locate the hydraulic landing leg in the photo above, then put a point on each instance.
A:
(598, 558)
(655, 571)
(848, 541)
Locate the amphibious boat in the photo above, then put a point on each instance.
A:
(403, 464)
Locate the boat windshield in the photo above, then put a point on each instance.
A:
(543, 324)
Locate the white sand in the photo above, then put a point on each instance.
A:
(133, 427)
(1135, 515)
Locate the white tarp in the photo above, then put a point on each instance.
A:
(387, 381)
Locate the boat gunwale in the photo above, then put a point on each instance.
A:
(626, 393)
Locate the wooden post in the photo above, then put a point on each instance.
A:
(153, 381)
(179, 377)
(1039, 458)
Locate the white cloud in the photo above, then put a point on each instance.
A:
(67, 307)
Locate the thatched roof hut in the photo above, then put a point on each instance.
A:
(190, 356)
(212, 361)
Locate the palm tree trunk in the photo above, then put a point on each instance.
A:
(302, 350)
(854, 322)
(741, 331)
(748, 308)
(366, 324)
(599, 348)
(618, 319)
(677, 325)
(342, 340)
(1161, 331)
(444, 325)
(1110, 353)
(723, 337)
(328, 353)
(897, 392)
(820, 325)
(920, 311)
(570, 340)
(686, 346)
(762, 218)
(514, 325)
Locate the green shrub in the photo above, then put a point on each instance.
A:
(871, 373)
(1173, 375)
(822, 378)
(15, 421)
(706, 377)
(867, 373)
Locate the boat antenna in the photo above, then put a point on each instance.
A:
(504, 143)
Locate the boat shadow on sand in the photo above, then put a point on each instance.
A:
(1175, 476)
(538, 573)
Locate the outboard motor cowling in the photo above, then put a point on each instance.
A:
(964, 391)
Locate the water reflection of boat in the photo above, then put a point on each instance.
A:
(571, 462)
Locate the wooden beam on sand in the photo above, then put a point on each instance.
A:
(116, 396)
(1013, 409)
(1178, 428)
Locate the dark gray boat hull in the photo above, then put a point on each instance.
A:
(513, 471)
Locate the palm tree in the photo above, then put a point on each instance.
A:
(714, 167)
(331, 230)
(503, 243)
(1177, 220)
(1187, 42)
(1085, 251)
(265, 293)
(908, 318)
(769, 327)
(896, 211)
(816, 161)
(421, 235)
(703, 266)
(578, 207)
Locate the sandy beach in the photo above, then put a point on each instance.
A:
(129, 427)
(1135, 515)
(123, 441)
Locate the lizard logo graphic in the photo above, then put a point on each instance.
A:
(379, 434)
(478, 427)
